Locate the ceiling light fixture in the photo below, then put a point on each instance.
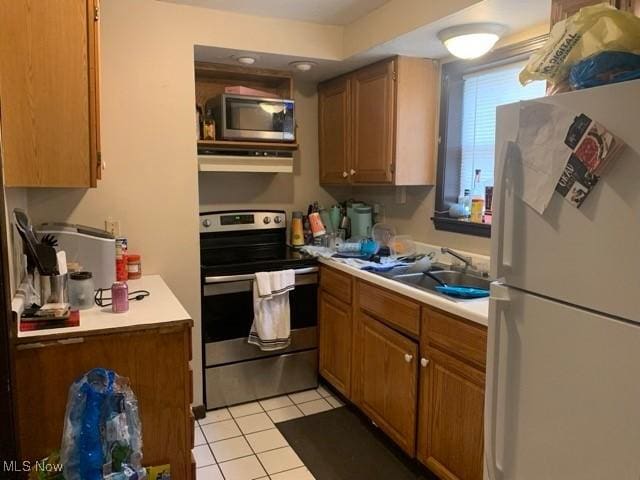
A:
(472, 40)
(304, 66)
(246, 60)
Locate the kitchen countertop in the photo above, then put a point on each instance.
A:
(160, 309)
(475, 310)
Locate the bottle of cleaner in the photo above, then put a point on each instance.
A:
(477, 199)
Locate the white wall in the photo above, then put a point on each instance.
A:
(147, 98)
(413, 217)
(151, 182)
(275, 191)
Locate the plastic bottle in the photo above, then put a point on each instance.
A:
(297, 230)
(466, 201)
(477, 198)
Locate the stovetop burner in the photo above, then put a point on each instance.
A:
(291, 259)
(241, 242)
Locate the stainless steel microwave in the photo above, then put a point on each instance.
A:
(241, 117)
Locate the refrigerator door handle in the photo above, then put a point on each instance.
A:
(504, 252)
(498, 302)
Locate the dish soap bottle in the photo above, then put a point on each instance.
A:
(477, 199)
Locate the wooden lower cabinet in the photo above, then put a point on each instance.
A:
(451, 418)
(427, 397)
(389, 377)
(335, 332)
(156, 361)
(452, 384)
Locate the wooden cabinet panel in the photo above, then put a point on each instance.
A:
(389, 381)
(49, 93)
(390, 308)
(377, 125)
(373, 123)
(561, 9)
(334, 130)
(416, 112)
(451, 412)
(156, 363)
(336, 330)
(457, 336)
(336, 283)
(451, 418)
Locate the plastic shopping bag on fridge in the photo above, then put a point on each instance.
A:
(595, 29)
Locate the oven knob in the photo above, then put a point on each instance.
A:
(266, 220)
(206, 223)
(278, 219)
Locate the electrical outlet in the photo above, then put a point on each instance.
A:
(112, 226)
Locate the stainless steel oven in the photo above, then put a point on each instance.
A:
(242, 117)
(234, 246)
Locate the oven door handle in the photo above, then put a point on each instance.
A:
(251, 276)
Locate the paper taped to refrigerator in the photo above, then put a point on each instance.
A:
(543, 151)
(562, 152)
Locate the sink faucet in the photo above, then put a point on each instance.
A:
(468, 261)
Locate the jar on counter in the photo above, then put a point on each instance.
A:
(209, 130)
(134, 266)
(81, 290)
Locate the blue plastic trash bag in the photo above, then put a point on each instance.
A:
(102, 432)
(604, 68)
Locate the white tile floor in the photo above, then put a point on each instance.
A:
(243, 443)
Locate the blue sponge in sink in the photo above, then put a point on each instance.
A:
(459, 291)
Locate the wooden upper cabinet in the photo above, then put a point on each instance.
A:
(561, 9)
(391, 124)
(373, 119)
(389, 377)
(335, 333)
(49, 92)
(334, 130)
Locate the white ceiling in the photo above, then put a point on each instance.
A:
(330, 12)
(516, 15)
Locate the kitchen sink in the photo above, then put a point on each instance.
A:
(450, 277)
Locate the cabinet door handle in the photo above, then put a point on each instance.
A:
(345, 174)
(353, 172)
(408, 358)
(424, 362)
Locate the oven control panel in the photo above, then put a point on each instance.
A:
(242, 220)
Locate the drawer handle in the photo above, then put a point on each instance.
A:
(424, 362)
(408, 358)
(345, 174)
(352, 171)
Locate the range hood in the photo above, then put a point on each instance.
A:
(211, 158)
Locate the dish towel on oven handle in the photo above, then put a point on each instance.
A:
(271, 329)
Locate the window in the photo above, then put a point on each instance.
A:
(483, 92)
(471, 92)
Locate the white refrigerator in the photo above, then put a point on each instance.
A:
(563, 362)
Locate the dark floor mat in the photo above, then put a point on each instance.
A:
(342, 445)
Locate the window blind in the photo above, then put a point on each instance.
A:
(482, 92)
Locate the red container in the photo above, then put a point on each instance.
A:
(134, 266)
(121, 260)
